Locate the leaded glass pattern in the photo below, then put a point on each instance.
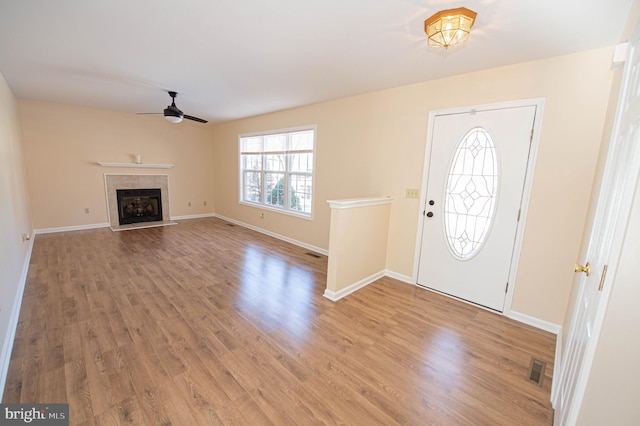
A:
(470, 199)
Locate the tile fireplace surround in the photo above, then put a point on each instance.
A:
(112, 182)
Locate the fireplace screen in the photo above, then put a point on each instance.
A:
(139, 205)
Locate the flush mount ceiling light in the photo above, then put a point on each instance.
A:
(449, 27)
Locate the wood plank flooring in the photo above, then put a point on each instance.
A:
(207, 323)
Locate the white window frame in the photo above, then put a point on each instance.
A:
(263, 205)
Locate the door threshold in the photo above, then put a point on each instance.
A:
(468, 302)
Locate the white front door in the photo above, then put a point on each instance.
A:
(477, 166)
(611, 215)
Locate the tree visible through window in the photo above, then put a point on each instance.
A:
(276, 170)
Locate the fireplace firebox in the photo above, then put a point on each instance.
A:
(139, 205)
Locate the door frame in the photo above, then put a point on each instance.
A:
(526, 193)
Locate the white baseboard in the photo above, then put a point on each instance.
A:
(7, 345)
(557, 362)
(400, 277)
(335, 296)
(70, 228)
(274, 235)
(535, 322)
(107, 225)
(192, 216)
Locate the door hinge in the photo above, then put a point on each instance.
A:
(531, 137)
(519, 211)
(602, 278)
(506, 288)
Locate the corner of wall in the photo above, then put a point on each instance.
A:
(7, 344)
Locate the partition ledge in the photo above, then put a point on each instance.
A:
(358, 202)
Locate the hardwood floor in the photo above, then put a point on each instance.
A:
(207, 323)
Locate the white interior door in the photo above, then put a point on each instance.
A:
(605, 238)
(477, 168)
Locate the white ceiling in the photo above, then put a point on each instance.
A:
(229, 59)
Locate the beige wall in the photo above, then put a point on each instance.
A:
(14, 220)
(374, 145)
(62, 144)
(357, 243)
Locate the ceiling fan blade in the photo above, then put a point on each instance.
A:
(173, 113)
(189, 117)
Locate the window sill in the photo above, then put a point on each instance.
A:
(275, 210)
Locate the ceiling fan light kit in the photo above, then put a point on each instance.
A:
(449, 27)
(172, 118)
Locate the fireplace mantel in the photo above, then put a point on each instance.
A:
(137, 165)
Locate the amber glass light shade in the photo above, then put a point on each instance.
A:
(449, 27)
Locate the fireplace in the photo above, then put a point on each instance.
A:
(137, 215)
(139, 205)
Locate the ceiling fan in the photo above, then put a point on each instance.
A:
(173, 114)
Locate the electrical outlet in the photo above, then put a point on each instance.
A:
(86, 210)
(412, 193)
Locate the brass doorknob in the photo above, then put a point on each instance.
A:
(579, 268)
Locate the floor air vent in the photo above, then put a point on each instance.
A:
(230, 224)
(317, 256)
(536, 371)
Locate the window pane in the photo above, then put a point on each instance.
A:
(275, 142)
(301, 140)
(252, 190)
(301, 193)
(276, 169)
(472, 187)
(301, 162)
(275, 189)
(252, 162)
(275, 162)
(251, 144)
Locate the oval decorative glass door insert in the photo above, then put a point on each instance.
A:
(470, 199)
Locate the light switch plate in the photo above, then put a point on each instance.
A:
(412, 193)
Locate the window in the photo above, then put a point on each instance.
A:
(472, 187)
(276, 170)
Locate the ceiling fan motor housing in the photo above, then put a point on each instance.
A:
(172, 110)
